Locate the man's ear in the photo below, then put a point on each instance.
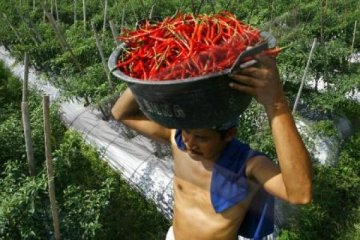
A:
(230, 134)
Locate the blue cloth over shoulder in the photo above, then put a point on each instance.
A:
(229, 187)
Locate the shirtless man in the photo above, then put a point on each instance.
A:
(196, 153)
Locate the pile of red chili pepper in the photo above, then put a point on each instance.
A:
(185, 46)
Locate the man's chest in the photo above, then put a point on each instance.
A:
(195, 173)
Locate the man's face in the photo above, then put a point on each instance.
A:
(203, 144)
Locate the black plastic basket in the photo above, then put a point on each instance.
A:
(192, 103)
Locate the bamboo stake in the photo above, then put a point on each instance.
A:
(26, 120)
(122, 21)
(43, 6)
(105, 15)
(151, 14)
(50, 172)
(75, 11)
(103, 60)
(114, 33)
(304, 76)
(56, 10)
(353, 39)
(64, 45)
(33, 5)
(52, 7)
(84, 14)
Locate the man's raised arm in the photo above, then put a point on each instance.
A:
(126, 110)
(293, 180)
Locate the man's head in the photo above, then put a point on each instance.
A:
(207, 144)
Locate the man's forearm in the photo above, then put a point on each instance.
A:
(293, 156)
(125, 107)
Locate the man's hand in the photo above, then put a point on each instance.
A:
(261, 81)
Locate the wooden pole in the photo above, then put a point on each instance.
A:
(84, 14)
(122, 21)
(43, 3)
(56, 10)
(114, 33)
(353, 39)
(105, 15)
(50, 172)
(52, 7)
(103, 60)
(26, 120)
(304, 76)
(151, 13)
(75, 11)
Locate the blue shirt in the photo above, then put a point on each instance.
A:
(229, 187)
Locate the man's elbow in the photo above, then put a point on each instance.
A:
(301, 199)
(115, 114)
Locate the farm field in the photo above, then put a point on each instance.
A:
(68, 43)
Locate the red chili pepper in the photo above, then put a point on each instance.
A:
(185, 46)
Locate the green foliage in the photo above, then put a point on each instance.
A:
(333, 211)
(83, 47)
(23, 211)
(11, 135)
(325, 128)
(73, 153)
(254, 129)
(9, 88)
(83, 221)
(101, 207)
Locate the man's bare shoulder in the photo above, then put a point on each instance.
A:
(261, 165)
